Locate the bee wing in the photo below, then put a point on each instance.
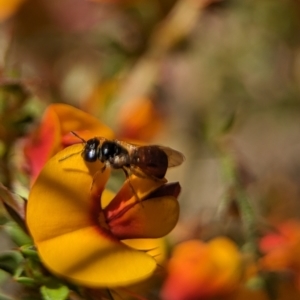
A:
(175, 158)
(128, 146)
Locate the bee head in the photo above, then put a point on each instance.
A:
(90, 151)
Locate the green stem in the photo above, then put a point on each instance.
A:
(247, 215)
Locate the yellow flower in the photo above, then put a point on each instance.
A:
(78, 226)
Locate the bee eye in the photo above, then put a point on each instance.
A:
(92, 144)
(90, 155)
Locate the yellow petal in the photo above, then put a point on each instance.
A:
(227, 258)
(61, 201)
(62, 216)
(92, 259)
(157, 248)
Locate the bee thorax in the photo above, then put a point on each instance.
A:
(118, 162)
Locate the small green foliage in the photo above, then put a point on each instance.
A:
(4, 297)
(29, 251)
(255, 283)
(54, 290)
(10, 261)
(16, 233)
(3, 276)
(15, 206)
(26, 281)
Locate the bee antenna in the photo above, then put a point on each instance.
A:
(74, 133)
(72, 154)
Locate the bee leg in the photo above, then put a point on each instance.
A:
(96, 174)
(130, 184)
(94, 179)
(140, 174)
(137, 172)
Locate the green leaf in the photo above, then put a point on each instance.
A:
(16, 233)
(3, 277)
(15, 206)
(30, 252)
(54, 291)
(27, 281)
(10, 261)
(4, 297)
(29, 297)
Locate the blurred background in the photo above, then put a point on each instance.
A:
(217, 80)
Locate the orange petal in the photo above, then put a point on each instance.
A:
(153, 217)
(73, 119)
(63, 219)
(43, 143)
(54, 133)
(272, 241)
(8, 8)
(140, 120)
(125, 197)
(198, 270)
(282, 248)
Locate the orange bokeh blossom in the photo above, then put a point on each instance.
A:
(9, 8)
(199, 270)
(281, 249)
(141, 119)
(81, 229)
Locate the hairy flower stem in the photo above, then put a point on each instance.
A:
(238, 194)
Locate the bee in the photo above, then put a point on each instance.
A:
(142, 161)
(150, 161)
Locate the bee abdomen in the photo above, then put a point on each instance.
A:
(152, 160)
